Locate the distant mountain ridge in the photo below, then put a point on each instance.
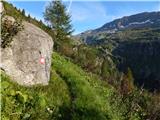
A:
(137, 21)
(145, 19)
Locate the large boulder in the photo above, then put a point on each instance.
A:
(28, 59)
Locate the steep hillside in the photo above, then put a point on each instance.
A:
(71, 94)
(141, 20)
(135, 46)
(143, 58)
(138, 21)
(84, 85)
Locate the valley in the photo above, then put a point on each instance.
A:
(109, 73)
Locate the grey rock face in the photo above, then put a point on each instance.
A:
(23, 61)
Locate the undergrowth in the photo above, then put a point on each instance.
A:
(72, 94)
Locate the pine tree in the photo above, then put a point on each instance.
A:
(40, 22)
(23, 12)
(55, 14)
(29, 16)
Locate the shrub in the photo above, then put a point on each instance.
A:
(9, 29)
(127, 83)
(36, 102)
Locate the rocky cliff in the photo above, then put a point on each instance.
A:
(143, 20)
(28, 58)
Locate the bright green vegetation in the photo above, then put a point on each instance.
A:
(71, 94)
(74, 92)
(59, 19)
(85, 91)
(93, 99)
(37, 102)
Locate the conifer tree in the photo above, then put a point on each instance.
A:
(40, 22)
(59, 20)
(23, 12)
(29, 16)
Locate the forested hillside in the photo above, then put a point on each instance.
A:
(85, 84)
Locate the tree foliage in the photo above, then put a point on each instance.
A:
(59, 20)
(127, 84)
(23, 12)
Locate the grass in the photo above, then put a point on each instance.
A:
(86, 103)
(92, 99)
(72, 94)
(37, 102)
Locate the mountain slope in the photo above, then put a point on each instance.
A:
(71, 94)
(138, 21)
(135, 46)
(141, 20)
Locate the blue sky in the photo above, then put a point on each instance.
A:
(88, 15)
